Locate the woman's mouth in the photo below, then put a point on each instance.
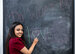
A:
(19, 33)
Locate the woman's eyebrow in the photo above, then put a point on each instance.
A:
(19, 28)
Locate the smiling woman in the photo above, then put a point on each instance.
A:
(15, 43)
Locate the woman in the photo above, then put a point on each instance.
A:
(15, 43)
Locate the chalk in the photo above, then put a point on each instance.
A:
(28, 35)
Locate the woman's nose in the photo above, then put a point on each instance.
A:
(21, 31)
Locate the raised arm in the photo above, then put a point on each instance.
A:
(24, 50)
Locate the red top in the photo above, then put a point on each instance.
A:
(15, 45)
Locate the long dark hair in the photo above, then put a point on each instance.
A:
(12, 34)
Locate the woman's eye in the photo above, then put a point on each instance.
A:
(18, 29)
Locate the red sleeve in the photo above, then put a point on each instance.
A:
(18, 44)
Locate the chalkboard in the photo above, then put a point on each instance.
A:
(48, 20)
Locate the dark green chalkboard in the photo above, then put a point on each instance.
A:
(48, 20)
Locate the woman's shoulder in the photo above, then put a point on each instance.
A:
(16, 43)
(15, 39)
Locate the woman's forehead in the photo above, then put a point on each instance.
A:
(19, 27)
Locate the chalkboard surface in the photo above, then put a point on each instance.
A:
(48, 20)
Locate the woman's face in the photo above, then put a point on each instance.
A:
(18, 30)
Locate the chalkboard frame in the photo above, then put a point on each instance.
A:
(73, 30)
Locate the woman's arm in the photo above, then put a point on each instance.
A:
(29, 51)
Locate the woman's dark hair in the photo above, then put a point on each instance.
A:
(12, 34)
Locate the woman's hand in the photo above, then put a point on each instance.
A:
(35, 41)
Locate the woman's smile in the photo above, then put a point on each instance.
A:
(19, 33)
